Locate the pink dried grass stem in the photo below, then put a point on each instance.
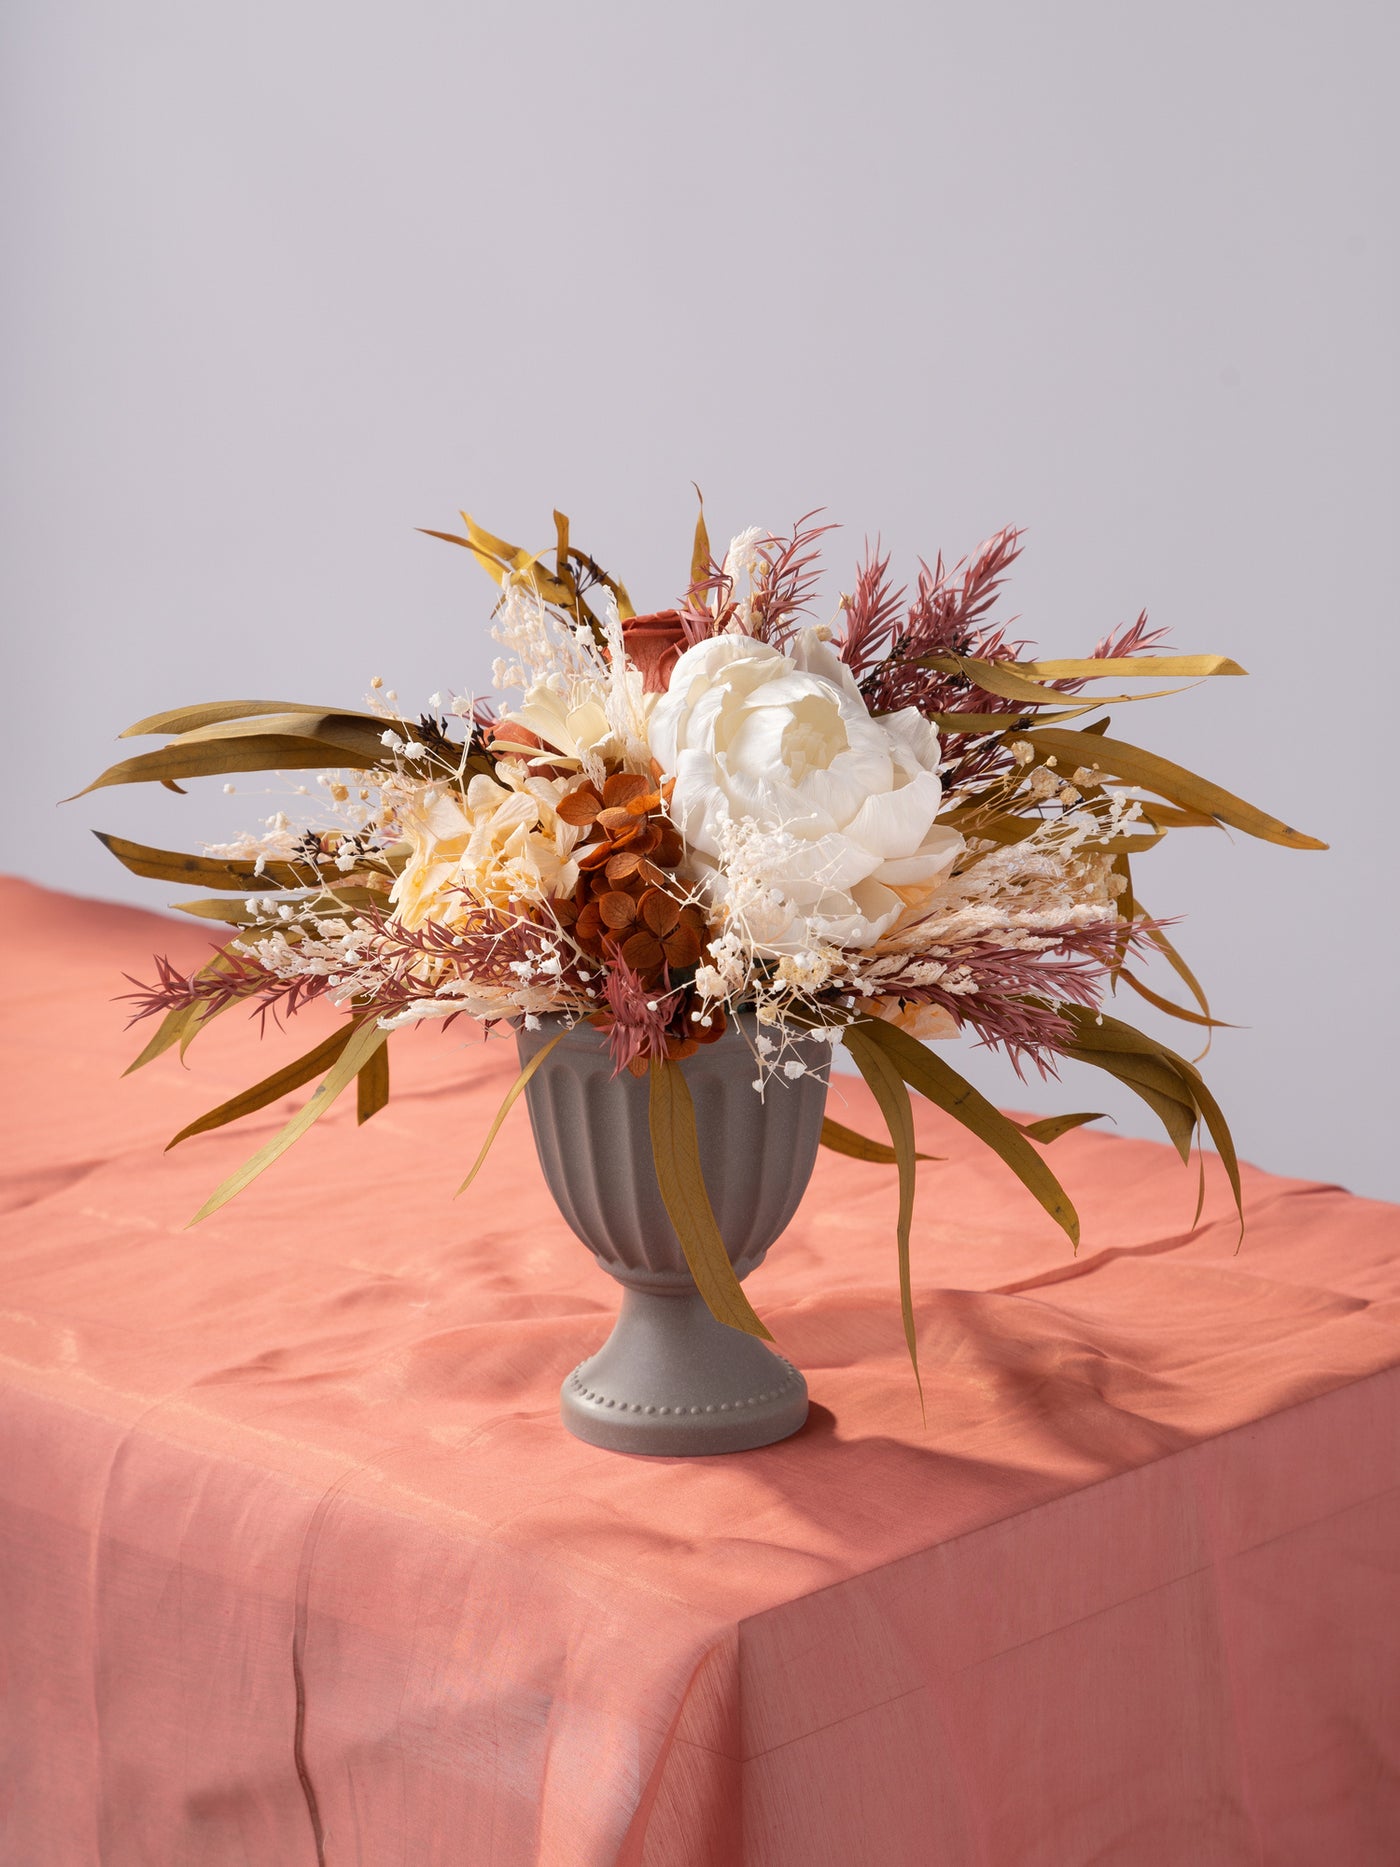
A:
(1014, 992)
(1135, 638)
(640, 1017)
(788, 582)
(948, 616)
(485, 952)
(871, 612)
(241, 977)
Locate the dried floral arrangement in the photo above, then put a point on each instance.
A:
(895, 826)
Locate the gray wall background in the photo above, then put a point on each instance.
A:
(290, 280)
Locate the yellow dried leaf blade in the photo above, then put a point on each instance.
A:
(1127, 902)
(1139, 1066)
(366, 1039)
(1129, 845)
(843, 1140)
(483, 558)
(372, 1085)
(214, 758)
(342, 729)
(1095, 1030)
(320, 903)
(1162, 1093)
(1005, 722)
(271, 1089)
(1001, 678)
(1131, 667)
(217, 908)
(167, 1034)
(956, 1097)
(1147, 1067)
(1169, 1006)
(204, 1015)
(1050, 1127)
(700, 549)
(675, 1149)
(182, 1024)
(1219, 1131)
(1136, 1046)
(1133, 765)
(1180, 968)
(1173, 817)
(210, 713)
(886, 1083)
(512, 1095)
(514, 557)
(234, 876)
(992, 827)
(561, 591)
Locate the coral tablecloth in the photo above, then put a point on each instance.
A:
(298, 1565)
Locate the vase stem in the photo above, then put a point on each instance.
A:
(672, 1380)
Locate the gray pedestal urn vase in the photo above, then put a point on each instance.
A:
(670, 1379)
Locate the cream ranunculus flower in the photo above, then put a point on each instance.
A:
(576, 730)
(500, 841)
(839, 809)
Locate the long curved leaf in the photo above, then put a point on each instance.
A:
(675, 1149)
(1006, 722)
(1123, 1050)
(1219, 1131)
(559, 586)
(842, 1140)
(886, 1083)
(507, 1105)
(1135, 766)
(947, 1090)
(1178, 965)
(700, 549)
(994, 827)
(346, 730)
(319, 904)
(372, 1085)
(170, 1031)
(1050, 1127)
(1161, 1089)
(210, 713)
(1173, 817)
(1169, 1006)
(1001, 678)
(1130, 667)
(215, 757)
(271, 1089)
(182, 1024)
(366, 1040)
(232, 875)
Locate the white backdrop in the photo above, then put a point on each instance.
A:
(289, 280)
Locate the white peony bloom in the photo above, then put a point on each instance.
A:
(841, 807)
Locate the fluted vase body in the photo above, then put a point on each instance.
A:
(670, 1379)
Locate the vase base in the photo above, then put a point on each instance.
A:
(671, 1382)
